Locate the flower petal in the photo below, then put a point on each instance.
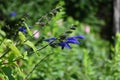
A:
(73, 41)
(80, 37)
(64, 44)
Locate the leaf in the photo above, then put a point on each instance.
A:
(2, 76)
(2, 33)
(9, 43)
(18, 69)
(11, 57)
(22, 36)
(25, 55)
(14, 49)
(30, 44)
(28, 30)
(8, 72)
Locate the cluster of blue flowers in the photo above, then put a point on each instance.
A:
(65, 43)
(23, 29)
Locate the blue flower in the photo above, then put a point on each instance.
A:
(74, 40)
(65, 43)
(12, 14)
(23, 29)
(79, 37)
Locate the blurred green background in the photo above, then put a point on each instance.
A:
(94, 59)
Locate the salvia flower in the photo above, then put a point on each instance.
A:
(65, 43)
(23, 29)
(13, 14)
(72, 40)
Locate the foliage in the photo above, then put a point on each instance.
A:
(89, 11)
(13, 10)
(97, 13)
(25, 56)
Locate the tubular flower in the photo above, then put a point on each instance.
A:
(65, 43)
(74, 40)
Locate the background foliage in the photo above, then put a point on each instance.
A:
(91, 60)
(97, 13)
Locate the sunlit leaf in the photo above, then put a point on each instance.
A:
(28, 30)
(30, 44)
(22, 36)
(14, 49)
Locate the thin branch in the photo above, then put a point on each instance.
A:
(26, 78)
(45, 45)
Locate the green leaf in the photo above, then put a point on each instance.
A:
(9, 43)
(2, 33)
(30, 44)
(25, 55)
(11, 57)
(22, 36)
(8, 72)
(2, 76)
(14, 49)
(18, 69)
(28, 30)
